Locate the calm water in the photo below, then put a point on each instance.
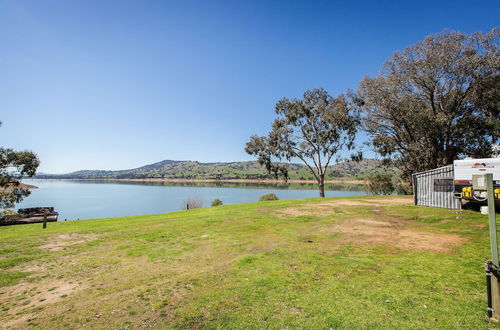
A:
(86, 200)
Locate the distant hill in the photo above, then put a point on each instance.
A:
(252, 170)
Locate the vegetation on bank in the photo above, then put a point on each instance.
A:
(360, 262)
(252, 170)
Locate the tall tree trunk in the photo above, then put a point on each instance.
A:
(321, 183)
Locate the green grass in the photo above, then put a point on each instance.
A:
(245, 266)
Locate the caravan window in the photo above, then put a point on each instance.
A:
(443, 184)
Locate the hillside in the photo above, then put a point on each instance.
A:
(348, 263)
(251, 170)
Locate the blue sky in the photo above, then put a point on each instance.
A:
(120, 84)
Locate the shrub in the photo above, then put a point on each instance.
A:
(404, 188)
(193, 203)
(7, 215)
(381, 183)
(216, 202)
(268, 197)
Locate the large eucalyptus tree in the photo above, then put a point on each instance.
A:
(313, 129)
(435, 101)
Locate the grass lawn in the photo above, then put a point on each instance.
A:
(361, 262)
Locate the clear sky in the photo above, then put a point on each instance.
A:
(120, 84)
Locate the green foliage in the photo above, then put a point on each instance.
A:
(216, 202)
(14, 165)
(313, 129)
(268, 197)
(251, 170)
(381, 183)
(386, 182)
(8, 214)
(435, 101)
(354, 169)
(403, 187)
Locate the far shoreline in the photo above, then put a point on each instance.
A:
(270, 181)
(20, 186)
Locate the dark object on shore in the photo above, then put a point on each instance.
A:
(217, 202)
(268, 197)
(32, 215)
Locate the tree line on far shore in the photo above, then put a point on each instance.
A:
(432, 103)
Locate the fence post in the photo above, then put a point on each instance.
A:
(44, 220)
(415, 189)
(494, 280)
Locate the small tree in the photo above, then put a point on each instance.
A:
(313, 129)
(14, 165)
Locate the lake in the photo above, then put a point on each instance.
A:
(102, 199)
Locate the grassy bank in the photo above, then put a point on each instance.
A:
(312, 263)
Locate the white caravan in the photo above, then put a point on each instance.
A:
(462, 178)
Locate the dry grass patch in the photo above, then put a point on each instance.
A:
(59, 242)
(375, 228)
(28, 299)
(403, 200)
(332, 207)
(393, 232)
(292, 213)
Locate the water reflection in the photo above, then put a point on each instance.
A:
(84, 199)
(240, 185)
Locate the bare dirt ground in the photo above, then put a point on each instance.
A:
(36, 296)
(26, 298)
(59, 242)
(394, 233)
(375, 228)
(330, 207)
